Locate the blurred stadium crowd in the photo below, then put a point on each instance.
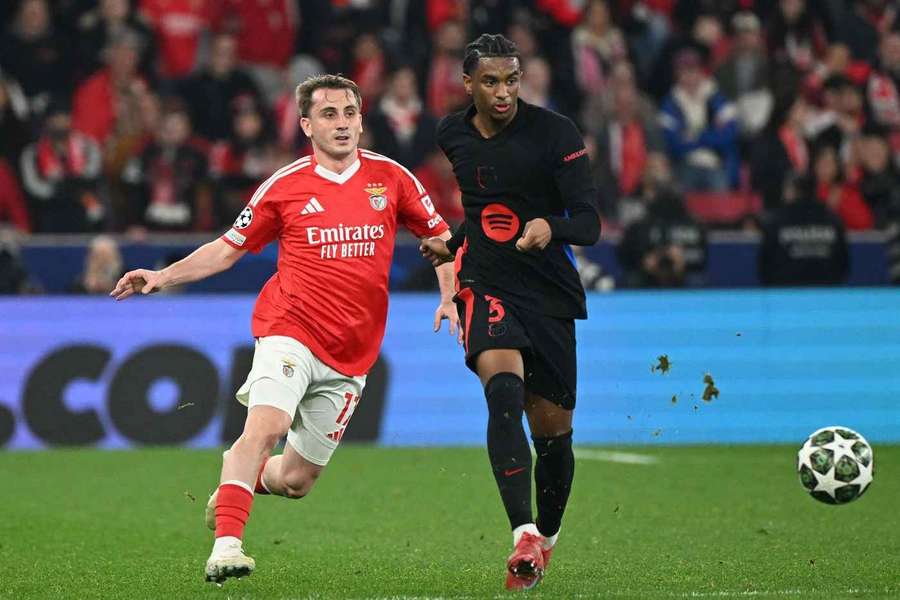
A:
(778, 116)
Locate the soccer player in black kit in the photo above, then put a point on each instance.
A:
(528, 193)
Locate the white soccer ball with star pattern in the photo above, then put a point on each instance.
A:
(835, 465)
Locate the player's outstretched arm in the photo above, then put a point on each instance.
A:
(446, 282)
(208, 259)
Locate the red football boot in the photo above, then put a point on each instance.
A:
(525, 566)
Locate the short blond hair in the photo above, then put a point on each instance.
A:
(304, 91)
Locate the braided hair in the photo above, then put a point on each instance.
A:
(488, 46)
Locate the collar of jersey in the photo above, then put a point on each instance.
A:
(338, 178)
(470, 114)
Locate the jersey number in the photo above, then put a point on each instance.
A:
(344, 417)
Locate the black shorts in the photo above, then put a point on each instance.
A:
(547, 343)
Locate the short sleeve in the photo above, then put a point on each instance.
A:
(416, 211)
(258, 224)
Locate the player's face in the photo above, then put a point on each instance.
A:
(334, 123)
(494, 87)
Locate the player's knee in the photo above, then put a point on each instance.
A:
(298, 484)
(505, 395)
(261, 440)
(553, 444)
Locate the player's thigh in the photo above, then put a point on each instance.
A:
(546, 418)
(280, 375)
(324, 413)
(491, 362)
(493, 334)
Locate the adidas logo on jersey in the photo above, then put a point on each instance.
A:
(311, 207)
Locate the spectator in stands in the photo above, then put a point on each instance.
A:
(700, 128)
(109, 100)
(656, 180)
(879, 183)
(863, 21)
(597, 45)
(369, 67)
(744, 75)
(13, 276)
(109, 20)
(796, 38)
(13, 209)
(803, 241)
(781, 149)
(60, 172)
(436, 175)
(36, 55)
(103, 266)
(287, 121)
(536, 87)
(445, 91)
(179, 25)
(667, 248)
(883, 88)
(14, 118)
(266, 31)
(624, 124)
(647, 26)
(834, 190)
(130, 138)
(212, 93)
(169, 191)
(841, 117)
(401, 126)
(240, 164)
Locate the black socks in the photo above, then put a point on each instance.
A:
(553, 475)
(508, 446)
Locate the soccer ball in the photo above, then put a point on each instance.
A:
(835, 465)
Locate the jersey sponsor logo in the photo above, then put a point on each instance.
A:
(312, 206)
(499, 223)
(377, 197)
(236, 237)
(428, 204)
(433, 221)
(244, 219)
(574, 155)
(345, 241)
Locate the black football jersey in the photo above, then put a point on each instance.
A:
(536, 167)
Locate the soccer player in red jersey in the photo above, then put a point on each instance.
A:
(320, 319)
(528, 194)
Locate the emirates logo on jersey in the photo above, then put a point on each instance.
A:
(499, 223)
(377, 198)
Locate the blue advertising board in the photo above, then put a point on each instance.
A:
(163, 370)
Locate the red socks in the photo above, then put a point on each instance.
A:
(233, 509)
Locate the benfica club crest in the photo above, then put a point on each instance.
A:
(287, 367)
(376, 196)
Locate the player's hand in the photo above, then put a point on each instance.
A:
(447, 310)
(140, 281)
(535, 236)
(435, 251)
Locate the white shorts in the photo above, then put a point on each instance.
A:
(319, 399)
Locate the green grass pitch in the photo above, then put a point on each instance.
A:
(701, 522)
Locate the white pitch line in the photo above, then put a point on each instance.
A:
(628, 458)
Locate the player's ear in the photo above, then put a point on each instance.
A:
(305, 126)
(467, 82)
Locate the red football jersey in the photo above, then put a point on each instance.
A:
(335, 242)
